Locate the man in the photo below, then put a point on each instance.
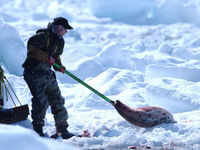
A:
(44, 48)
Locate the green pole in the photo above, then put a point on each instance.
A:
(85, 84)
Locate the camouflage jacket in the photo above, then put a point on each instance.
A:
(40, 47)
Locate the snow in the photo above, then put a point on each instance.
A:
(149, 12)
(11, 48)
(14, 136)
(186, 73)
(143, 53)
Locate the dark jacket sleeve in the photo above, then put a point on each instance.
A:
(37, 46)
(39, 40)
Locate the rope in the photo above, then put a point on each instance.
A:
(6, 92)
(9, 94)
(2, 78)
(1, 74)
(13, 91)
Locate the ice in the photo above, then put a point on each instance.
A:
(12, 48)
(115, 81)
(165, 48)
(13, 137)
(139, 47)
(143, 53)
(186, 53)
(112, 55)
(147, 11)
(187, 73)
(170, 99)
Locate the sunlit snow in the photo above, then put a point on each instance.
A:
(141, 52)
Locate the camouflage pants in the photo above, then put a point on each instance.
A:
(45, 92)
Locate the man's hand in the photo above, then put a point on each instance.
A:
(62, 69)
(51, 60)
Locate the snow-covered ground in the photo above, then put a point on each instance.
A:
(151, 61)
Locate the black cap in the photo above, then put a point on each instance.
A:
(62, 21)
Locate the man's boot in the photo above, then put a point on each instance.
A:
(39, 129)
(63, 132)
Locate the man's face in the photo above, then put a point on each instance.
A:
(59, 30)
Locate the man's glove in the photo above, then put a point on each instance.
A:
(51, 61)
(58, 61)
(62, 69)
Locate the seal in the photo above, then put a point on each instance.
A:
(145, 116)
